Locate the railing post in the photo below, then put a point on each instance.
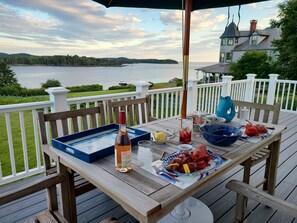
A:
(142, 87)
(226, 89)
(249, 90)
(271, 88)
(58, 97)
(192, 96)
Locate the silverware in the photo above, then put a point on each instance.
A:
(166, 174)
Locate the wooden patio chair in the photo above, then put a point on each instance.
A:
(132, 107)
(267, 114)
(245, 191)
(52, 214)
(70, 123)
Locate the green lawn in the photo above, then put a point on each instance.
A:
(4, 100)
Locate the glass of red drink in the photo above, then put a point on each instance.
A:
(185, 130)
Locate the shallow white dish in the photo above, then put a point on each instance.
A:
(185, 147)
(215, 119)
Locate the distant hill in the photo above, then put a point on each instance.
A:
(16, 54)
(61, 60)
(3, 54)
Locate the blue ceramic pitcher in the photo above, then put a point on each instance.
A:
(226, 108)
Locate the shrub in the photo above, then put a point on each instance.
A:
(51, 83)
(129, 86)
(10, 90)
(84, 88)
(33, 92)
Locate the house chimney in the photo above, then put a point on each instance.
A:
(253, 25)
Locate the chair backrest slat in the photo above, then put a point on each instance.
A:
(71, 117)
(93, 121)
(54, 129)
(75, 125)
(102, 120)
(134, 115)
(65, 126)
(257, 114)
(130, 114)
(85, 122)
(262, 112)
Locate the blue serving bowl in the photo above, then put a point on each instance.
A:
(220, 135)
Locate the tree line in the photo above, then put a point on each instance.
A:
(60, 60)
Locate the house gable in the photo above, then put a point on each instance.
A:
(254, 39)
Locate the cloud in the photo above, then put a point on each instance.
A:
(83, 20)
(253, 5)
(200, 20)
(84, 27)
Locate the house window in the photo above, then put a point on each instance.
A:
(228, 57)
(254, 40)
(230, 42)
(222, 57)
(223, 42)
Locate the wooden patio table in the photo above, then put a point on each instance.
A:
(148, 197)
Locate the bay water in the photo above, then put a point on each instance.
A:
(34, 76)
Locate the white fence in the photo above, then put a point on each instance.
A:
(286, 95)
(21, 154)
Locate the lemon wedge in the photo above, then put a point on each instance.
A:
(160, 136)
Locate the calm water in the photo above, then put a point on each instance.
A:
(33, 76)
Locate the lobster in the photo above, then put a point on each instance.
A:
(255, 130)
(189, 162)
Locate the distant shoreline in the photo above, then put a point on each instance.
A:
(24, 59)
(43, 65)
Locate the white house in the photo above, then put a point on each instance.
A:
(235, 43)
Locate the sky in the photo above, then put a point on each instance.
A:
(86, 28)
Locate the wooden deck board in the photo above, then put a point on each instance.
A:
(95, 205)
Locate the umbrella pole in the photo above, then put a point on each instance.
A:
(186, 44)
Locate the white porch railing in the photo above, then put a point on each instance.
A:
(208, 97)
(165, 102)
(260, 90)
(20, 152)
(286, 95)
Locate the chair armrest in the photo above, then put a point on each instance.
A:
(37, 185)
(262, 197)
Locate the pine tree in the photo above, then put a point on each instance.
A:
(7, 76)
(287, 45)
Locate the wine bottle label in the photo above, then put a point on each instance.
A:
(115, 157)
(126, 159)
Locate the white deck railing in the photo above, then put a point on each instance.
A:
(260, 90)
(165, 102)
(21, 154)
(20, 119)
(286, 95)
(208, 96)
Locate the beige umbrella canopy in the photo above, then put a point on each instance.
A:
(188, 6)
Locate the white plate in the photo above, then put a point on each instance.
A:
(213, 164)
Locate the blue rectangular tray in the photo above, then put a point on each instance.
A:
(97, 143)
